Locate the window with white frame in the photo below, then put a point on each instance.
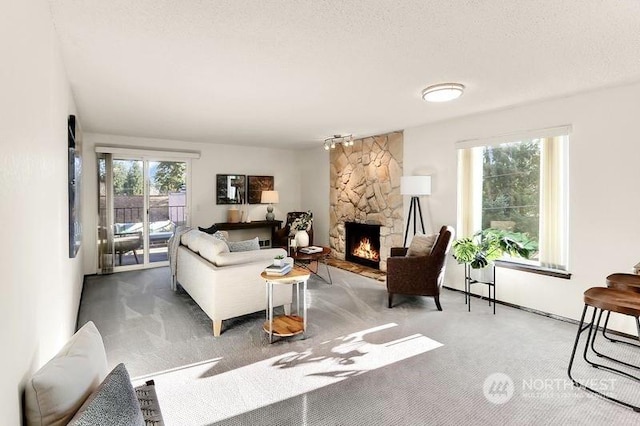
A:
(518, 183)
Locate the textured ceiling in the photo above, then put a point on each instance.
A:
(291, 73)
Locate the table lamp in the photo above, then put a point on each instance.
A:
(271, 198)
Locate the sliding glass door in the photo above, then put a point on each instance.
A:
(167, 205)
(142, 201)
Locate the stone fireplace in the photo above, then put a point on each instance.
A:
(362, 244)
(364, 188)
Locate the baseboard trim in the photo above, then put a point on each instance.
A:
(543, 313)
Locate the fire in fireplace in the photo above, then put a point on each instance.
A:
(362, 244)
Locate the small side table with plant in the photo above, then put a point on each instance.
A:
(479, 252)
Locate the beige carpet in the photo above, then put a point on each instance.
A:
(365, 271)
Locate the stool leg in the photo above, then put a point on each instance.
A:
(575, 346)
(601, 355)
(611, 339)
(581, 329)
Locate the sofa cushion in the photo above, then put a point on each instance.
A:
(114, 402)
(421, 244)
(186, 237)
(247, 245)
(57, 390)
(210, 247)
(194, 241)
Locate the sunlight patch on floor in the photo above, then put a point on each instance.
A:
(194, 396)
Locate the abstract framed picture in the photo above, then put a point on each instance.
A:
(257, 184)
(74, 138)
(230, 189)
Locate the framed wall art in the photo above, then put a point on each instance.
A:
(230, 189)
(257, 184)
(74, 145)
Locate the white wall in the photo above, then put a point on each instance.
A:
(604, 203)
(314, 190)
(40, 285)
(214, 159)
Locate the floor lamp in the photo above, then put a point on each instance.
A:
(414, 186)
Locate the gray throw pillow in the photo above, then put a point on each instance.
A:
(114, 403)
(247, 245)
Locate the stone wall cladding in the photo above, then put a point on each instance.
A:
(365, 188)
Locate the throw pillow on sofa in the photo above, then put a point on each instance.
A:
(114, 403)
(210, 247)
(57, 390)
(187, 236)
(247, 245)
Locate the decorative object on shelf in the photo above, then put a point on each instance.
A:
(346, 140)
(230, 189)
(490, 244)
(256, 185)
(271, 198)
(414, 186)
(443, 92)
(233, 215)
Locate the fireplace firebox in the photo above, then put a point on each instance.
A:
(362, 244)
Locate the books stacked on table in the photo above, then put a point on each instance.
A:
(278, 270)
(310, 249)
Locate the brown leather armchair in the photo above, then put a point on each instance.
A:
(281, 236)
(419, 275)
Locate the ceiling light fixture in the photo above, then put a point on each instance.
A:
(442, 92)
(346, 140)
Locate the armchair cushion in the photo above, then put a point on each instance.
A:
(421, 244)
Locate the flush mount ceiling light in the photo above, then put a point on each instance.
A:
(346, 140)
(442, 92)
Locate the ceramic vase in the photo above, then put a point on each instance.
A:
(302, 239)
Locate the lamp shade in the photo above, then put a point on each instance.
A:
(269, 197)
(415, 185)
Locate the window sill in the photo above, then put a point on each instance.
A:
(534, 269)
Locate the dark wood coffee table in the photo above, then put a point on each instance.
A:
(307, 261)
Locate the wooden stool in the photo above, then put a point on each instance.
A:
(611, 300)
(621, 281)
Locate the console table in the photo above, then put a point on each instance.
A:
(272, 224)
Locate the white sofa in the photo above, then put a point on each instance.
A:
(226, 284)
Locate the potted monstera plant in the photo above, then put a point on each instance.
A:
(488, 245)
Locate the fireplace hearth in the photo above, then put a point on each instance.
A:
(362, 244)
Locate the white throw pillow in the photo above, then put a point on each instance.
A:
(194, 241)
(421, 244)
(186, 237)
(57, 390)
(210, 247)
